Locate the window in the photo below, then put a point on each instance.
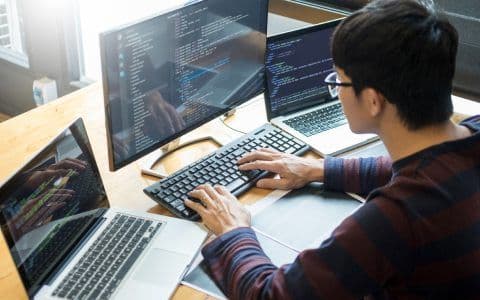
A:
(11, 42)
(97, 16)
(5, 35)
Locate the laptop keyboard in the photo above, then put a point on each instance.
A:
(318, 120)
(100, 270)
(220, 167)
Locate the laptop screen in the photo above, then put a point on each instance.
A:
(49, 205)
(297, 63)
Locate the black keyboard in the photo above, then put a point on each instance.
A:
(220, 167)
(319, 120)
(100, 270)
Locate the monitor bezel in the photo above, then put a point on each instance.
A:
(287, 35)
(113, 165)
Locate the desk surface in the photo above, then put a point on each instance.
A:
(26, 134)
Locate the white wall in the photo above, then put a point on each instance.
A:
(43, 22)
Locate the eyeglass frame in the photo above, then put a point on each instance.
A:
(333, 85)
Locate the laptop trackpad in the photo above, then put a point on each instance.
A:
(161, 267)
(156, 276)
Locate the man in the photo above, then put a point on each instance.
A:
(418, 234)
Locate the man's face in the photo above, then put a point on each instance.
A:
(353, 106)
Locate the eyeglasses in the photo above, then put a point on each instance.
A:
(333, 83)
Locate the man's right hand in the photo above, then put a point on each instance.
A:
(295, 172)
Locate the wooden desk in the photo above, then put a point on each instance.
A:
(25, 135)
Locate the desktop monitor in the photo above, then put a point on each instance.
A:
(170, 73)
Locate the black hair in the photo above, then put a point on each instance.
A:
(404, 49)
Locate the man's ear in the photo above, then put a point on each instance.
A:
(373, 101)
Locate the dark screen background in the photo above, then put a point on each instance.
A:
(296, 67)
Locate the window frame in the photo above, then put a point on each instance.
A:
(17, 55)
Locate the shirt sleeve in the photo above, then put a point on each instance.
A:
(357, 260)
(472, 122)
(357, 175)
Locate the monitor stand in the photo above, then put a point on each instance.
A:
(153, 158)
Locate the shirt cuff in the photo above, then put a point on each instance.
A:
(333, 173)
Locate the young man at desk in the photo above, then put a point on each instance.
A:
(417, 235)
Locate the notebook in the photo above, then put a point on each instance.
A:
(297, 99)
(67, 242)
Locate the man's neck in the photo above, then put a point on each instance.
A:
(401, 142)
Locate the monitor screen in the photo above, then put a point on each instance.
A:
(168, 74)
(50, 203)
(297, 63)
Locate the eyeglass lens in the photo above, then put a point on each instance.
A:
(332, 89)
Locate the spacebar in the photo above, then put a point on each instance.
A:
(235, 184)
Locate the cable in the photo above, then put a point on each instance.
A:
(232, 112)
(222, 119)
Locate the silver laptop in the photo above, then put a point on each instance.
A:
(66, 241)
(297, 99)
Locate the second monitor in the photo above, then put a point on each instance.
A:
(168, 74)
